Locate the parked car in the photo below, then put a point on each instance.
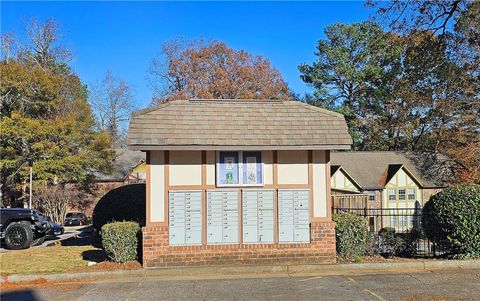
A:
(75, 219)
(22, 227)
(54, 229)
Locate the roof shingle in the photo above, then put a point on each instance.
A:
(372, 169)
(184, 124)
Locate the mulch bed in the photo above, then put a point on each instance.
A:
(109, 266)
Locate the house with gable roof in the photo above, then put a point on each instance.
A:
(391, 180)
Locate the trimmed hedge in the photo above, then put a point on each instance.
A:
(126, 203)
(451, 218)
(352, 235)
(120, 240)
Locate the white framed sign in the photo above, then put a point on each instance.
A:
(239, 168)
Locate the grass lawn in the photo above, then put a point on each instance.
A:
(48, 259)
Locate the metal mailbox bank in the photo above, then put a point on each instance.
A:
(237, 181)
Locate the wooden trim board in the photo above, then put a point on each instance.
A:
(310, 183)
(148, 185)
(167, 185)
(204, 197)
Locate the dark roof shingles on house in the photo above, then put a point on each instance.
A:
(237, 123)
(372, 169)
(123, 163)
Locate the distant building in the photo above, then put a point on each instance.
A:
(391, 180)
(138, 174)
(128, 167)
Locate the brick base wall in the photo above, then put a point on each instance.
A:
(157, 252)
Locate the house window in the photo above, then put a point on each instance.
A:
(371, 196)
(411, 194)
(239, 168)
(392, 194)
(401, 194)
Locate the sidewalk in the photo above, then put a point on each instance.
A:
(249, 271)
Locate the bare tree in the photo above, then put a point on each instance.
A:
(113, 103)
(54, 201)
(413, 15)
(8, 43)
(44, 47)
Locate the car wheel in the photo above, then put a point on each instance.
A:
(38, 240)
(18, 236)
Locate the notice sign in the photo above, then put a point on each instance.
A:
(251, 170)
(228, 169)
(229, 166)
(229, 162)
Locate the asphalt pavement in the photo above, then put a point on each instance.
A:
(445, 285)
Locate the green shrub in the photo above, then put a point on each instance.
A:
(120, 240)
(351, 233)
(398, 244)
(385, 230)
(451, 218)
(389, 242)
(373, 245)
(126, 203)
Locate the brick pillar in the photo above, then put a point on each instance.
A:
(155, 243)
(322, 235)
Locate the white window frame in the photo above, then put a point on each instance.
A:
(240, 170)
(394, 194)
(404, 194)
(409, 194)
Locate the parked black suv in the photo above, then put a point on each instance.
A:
(22, 228)
(75, 219)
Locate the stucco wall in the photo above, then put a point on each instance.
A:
(185, 168)
(211, 155)
(399, 181)
(319, 182)
(156, 186)
(341, 181)
(268, 167)
(292, 167)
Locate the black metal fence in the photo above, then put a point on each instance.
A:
(396, 231)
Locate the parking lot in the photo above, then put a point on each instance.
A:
(69, 232)
(438, 285)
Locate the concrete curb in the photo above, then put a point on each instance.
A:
(280, 270)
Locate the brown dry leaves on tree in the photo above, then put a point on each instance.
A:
(196, 69)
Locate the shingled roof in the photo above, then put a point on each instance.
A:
(372, 169)
(123, 163)
(237, 124)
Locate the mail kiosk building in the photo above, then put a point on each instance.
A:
(237, 181)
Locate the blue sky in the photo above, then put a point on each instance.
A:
(125, 36)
